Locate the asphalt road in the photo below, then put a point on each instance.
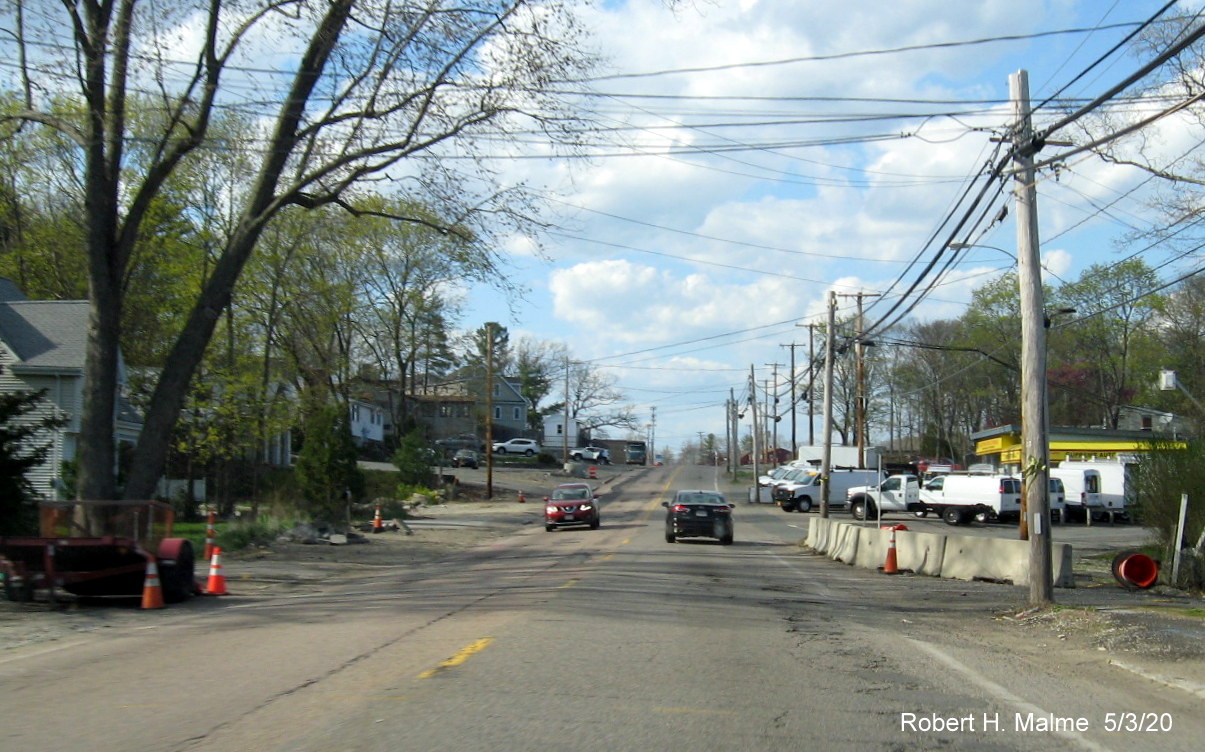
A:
(597, 640)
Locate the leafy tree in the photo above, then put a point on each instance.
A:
(413, 461)
(1165, 474)
(326, 465)
(358, 100)
(1109, 337)
(538, 365)
(20, 452)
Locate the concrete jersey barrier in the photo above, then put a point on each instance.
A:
(959, 557)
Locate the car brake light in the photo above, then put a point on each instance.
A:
(681, 508)
(723, 510)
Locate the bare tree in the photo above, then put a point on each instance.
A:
(409, 93)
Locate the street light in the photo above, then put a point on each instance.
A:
(956, 246)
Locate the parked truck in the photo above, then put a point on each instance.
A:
(803, 493)
(957, 499)
(1096, 487)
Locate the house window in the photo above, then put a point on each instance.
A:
(518, 415)
(497, 413)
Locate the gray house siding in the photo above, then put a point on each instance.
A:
(42, 346)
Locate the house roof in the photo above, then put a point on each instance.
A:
(46, 334)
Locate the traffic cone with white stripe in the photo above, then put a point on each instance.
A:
(891, 566)
(211, 533)
(217, 580)
(152, 591)
(377, 524)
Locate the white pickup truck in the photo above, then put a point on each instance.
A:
(903, 493)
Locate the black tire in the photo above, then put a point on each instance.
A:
(596, 523)
(179, 580)
(788, 506)
(953, 515)
(669, 538)
(18, 590)
(550, 528)
(857, 510)
(726, 540)
(500, 450)
(982, 517)
(528, 452)
(803, 505)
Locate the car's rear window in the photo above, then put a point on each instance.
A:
(700, 499)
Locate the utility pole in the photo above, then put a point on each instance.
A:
(756, 448)
(826, 455)
(777, 417)
(794, 398)
(811, 384)
(489, 411)
(565, 431)
(860, 378)
(652, 451)
(1035, 446)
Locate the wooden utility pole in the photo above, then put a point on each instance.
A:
(794, 398)
(826, 454)
(565, 429)
(860, 378)
(811, 384)
(489, 411)
(1035, 447)
(756, 447)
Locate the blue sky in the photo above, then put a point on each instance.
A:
(695, 245)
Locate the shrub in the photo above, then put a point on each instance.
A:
(242, 533)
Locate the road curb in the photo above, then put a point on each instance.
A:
(1185, 685)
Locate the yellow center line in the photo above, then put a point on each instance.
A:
(656, 502)
(569, 584)
(459, 658)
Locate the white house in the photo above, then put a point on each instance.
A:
(367, 421)
(555, 433)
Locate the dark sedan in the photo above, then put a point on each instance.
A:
(698, 514)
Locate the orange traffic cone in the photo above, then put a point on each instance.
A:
(210, 533)
(891, 566)
(152, 591)
(217, 580)
(377, 524)
(522, 498)
(593, 472)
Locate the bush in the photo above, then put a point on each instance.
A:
(243, 533)
(413, 460)
(326, 465)
(1164, 475)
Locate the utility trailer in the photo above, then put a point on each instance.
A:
(98, 548)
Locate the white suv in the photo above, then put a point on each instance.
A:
(517, 446)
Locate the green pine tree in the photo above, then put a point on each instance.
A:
(20, 452)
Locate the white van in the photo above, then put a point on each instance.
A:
(803, 494)
(1099, 487)
(993, 496)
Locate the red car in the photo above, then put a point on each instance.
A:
(571, 504)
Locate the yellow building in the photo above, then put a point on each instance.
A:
(1003, 443)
